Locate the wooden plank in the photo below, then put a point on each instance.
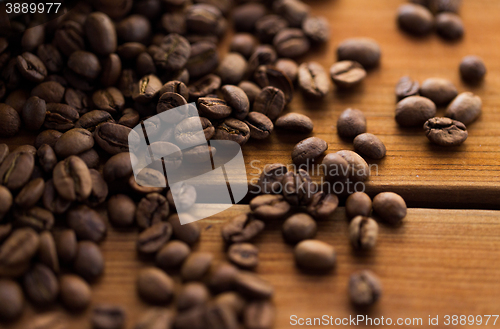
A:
(438, 262)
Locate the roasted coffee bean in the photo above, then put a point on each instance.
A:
(148, 181)
(73, 142)
(414, 111)
(237, 100)
(52, 201)
(294, 122)
(114, 138)
(155, 286)
(51, 57)
(193, 294)
(358, 204)
(106, 316)
(88, 262)
(130, 118)
(232, 130)
(111, 70)
(121, 210)
(252, 286)
(101, 33)
(110, 100)
(146, 89)
(246, 15)
(31, 67)
(316, 28)
(196, 266)
(315, 255)
(41, 285)
(245, 255)
(347, 74)
(75, 292)
(370, 146)
(299, 227)
(472, 69)
(263, 55)
(126, 82)
(152, 209)
(268, 26)
(87, 223)
(10, 74)
(47, 252)
(270, 101)
(66, 245)
(213, 108)
(203, 60)
(260, 125)
(47, 158)
(363, 232)
(85, 64)
(33, 113)
(69, 37)
(390, 206)
(185, 196)
(259, 315)
(16, 99)
(406, 87)
(232, 68)
(440, 91)
(119, 166)
(134, 28)
(78, 100)
(177, 87)
(145, 64)
(203, 18)
(351, 123)
(357, 170)
(17, 251)
(364, 288)
(415, 19)
(466, 108)
(220, 316)
(362, 50)
(91, 158)
(308, 149)
(60, 117)
(297, 187)
(269, 207)
(204, 86)
(188, 233)
(322, 205)
(266, 75)
(165, 156)
(16, 170)
(313, 79)
(271, 177)
(449, 26)
(445, 131)
(291, 42)
(29, 149)
(11, 300)
(223, 277)
(294, 11)
(289, 67)
(30, 194)
(242, 228)
(194, 318)
(154, 237)
(243, 43)
(232, 300)
(11, 122)
(171, 101)
(49, 91)
(172, 254)
(72, 179)
(159, 318)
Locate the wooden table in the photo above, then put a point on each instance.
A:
(439, 262)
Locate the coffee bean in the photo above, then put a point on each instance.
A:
(146, 89)
(121, 210)
(466, 108)
(269, 207)
(155, 286)
(47, 252)
(295, 122)
(87, 223)
(101, 33)
(358, 170)
(259, 315)
(294, 11)
(17, 98)
(245, 255)
(440, 91)
(156, 319)
(67, 246)
(232, 300)
(415, 19)
(11, 122)
(363, 232)
(358, 204)
(172, 254)
(364, 288)
(152, 209)
(289, 67)
(223, 277)
(49, 91)
(266, 76)
(308, 149)
(362, 50)
(390, 207)
(213, 108)
(16, 170)
(370, 146)
(347, 74)
(220, 316)
(130, 118)
(291, 42)
(263, 55)
(193, 294)
(268, 26)
(271, 177)
(414, 111)
(472, 69)
(315, 255)
(28, 149)
(33, 113)
(84, 64)
(203, 59)
(232, 68)
(126, 82)
(196, 266)
(245, 16)
(252, 286)
(260, 125)
(203, 18)
(110, 99)
(242, 228)
(31, 67)
(297, 187)
(51, 57)
(72, 179)
(313, 79)
(88, 262)
(351, 123)
(73, 142)
(17, 251)
(5, 230)
(406, 87)
(316, 28)
(322, 205)
(60, 117)
(299, 227)
(188, 233)
(449, 26)
(114, 138)
(30, 194)
(243, 43)
(232, 130)
(69, 37)
(111, 70)
(154, 237)
(106, 316)
(119, 166)
(41, 285)
(185, 196)
(48, 137)
(134, 28)
(177, 87)
(99, 191)
(75, 292)
(204, 86)
(148, 181)
(170, 101)
(445, 131)
(52, 201)
(11, 300)
(237, 99)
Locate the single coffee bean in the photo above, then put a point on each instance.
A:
(358, 204)
(295, 122)
(73, 142)
(315, 255)
(11, 300)
(362, 50)
(313, 79)
(347, 74)
(297, 187)
(232, 300)
(267, 75)
(308, 149)
(253, 286)
(119, 166)
(351, 123)
(51, 57)
(47, 252)
(449, 26)
(177, 87)
(445, 131)
(232, 68)
(358, 169)
(213, 108)
(268, 26)
(155, 286)
(85, 64)
(172, 254)
(363, 232)
(242, 228)
(299, 227)
(223, 277)
(101, 33)
(170, 101)
(203, 18)
(259, 315)
(88, 262)
(246, 15)
(415, 19)
(270, 179)
(17, 98)
(440, 91)
(232, 130)
(152, 209)
(17, 251)
(110, 99)
(146, 89)
(41, 285)
(159, 318)
(52, 201)
(11, 122)
(148, 181)
(134, 28)
(154, 237)
(33, 113)
(111, 70)
(291, 42)
(72, 179)
(390, 206)
(294, 11)
(31, 67)
(414, 111)
(203, 59)
(243, 43)
(99, 191)
(364, 288)
(289, 67)
(48, 137)
(270, 101)
(188, 233)
(185, 195)
(245, 255)
(336, 168)
(260, 125)
(196, 266)
(106, 316)
(60, 117)
(263, 55)
(114, 138)
(220, 316)
(69, 37)
(316, 28)
(87, 223)
(121, 210)
(30, 194)
(193, 294)
(16, 170)
(370, 146)
(130, 118)
(67, 245)
(406, 87)
(270, 207)
(237, 99)
(49, 91)
(322, 205)
(204, 86)
(75, 292)
(472, 69)
(466, 108)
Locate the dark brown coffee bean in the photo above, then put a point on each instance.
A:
(362, 50)
(243, 43)
(270, 101)
(75, 292)
(289, 67)
(449, 26)
(154, 237)
(445, 131)
(294, 122)
(188, 233)
(172, 254)
(73, 142)
(299, 227)
(92, 119)
(11, 300)
(242, 228)
(252, 286)
(466, 108)
(47, 253)
(232, 68)
(440, 91)
(351, 123)
(245, 255)
(203, 18)
(49, 91)
(232, 300)
(347, 74)
(11, 122)
(193, 294)
(315, 255)
(414, 111)
(121, 210)
(233, 130)
(101, 33)
(357, 170)
(173, 53)
(270, 207)
(406, 87)
(291, 42)
(313, 79)
(130, 118)
(111, 70)
(85, 64)
(67, 246)
(237, 99)
(213, 108)
(52, 201)
(119, 166)
(415, 19)
(204, 86)
(41, 285)
(60, 116)
(78, 100)
(268, 26)
(246, 15)
(152, 209)
(270, 76)
(155, 286)
(316, 28)
(110, 100)
(370, 146)
(17, 251)
(69, 37)
(364, 288)
(220, 316)
(30, 194)
(88, 262)
(31, 67)
(32, 38)
(472, 69)
(106, 316)
(114, 138)
(294, 11)
(33, 113)
(134, 28)
(126, 82)
(16, 170)
(146, 89)
(203, 59)
(308, 149)
(177, 87)
(390, 207)
(223, 277)
(260, 125)
(271, 177)
(363, 232)
(322, 205)
(297, 187)
(16, 99)
(87, 223)
(156, 319)
(148, 181)
(358, 204)
(51, 57)
(196, 266)
(72, 179)
(263, 55)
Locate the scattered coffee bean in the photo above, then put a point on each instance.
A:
(347, 74)
(466, 108)
(415, 19)
(295, 122)
(316, 28)
(114, 138)
(268, 26)
(252, 286)
(315, 255)
(313, 79)
(357, 170)
(106, 316)
(299, 227)
(364, 288)
(260, 125)
(266, 76)
(242, 228)
(152, 209)
(243, 43)
(250, 89)
(172, 254)
(88, 262)
(449, 26)
(362, 50)
(47, 252)
(440, 91)
(87, 223)
(370, 146)
(155, 286)
(213, 108)
(390, 206)
(232, 300)
(17, 251)
(269, 207)
(11, 300)
(406, 87)
(363, 232)
(33, 113)
(67, 245)
(291, 42)
(358, 204)
(232, 130)
(72, 179)
(322, 205)
(75, 292)
(188, 233)
(472, 69)
(30, 194)
(289, 67)
(245, 255)
(41, 285)
(259, 315)
(351, 123)
(246, 15)
(445, 131)
(196, 266)
(37, 218)
(10, 123)
(121, 210)
(294, 11)
(193, 294)
(270, 179)
(203, 59)
(308, 150)
(237, 100)
(223, 277)
(154, 237)
(414, 111)
(101, 33)
(232, 68)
